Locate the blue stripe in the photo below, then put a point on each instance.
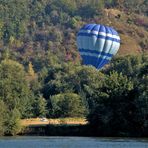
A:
(99, 36)
(89, 27)
(96, 52)
(103, 62)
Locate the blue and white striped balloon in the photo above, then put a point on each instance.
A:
(97, 44)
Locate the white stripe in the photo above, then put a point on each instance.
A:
(109, 35)
(114, 48)
(100, 33)
(94, 44)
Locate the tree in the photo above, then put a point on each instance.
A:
(14, 90)
(68, 6)
(128, 65)
(117, 85)
(114, 113)
(142, 99)
(89, 84)
(32, 79)
(68, 78)
(67, 105)
(2, 117)
(40, 106)
(31, 70)
(12, 122)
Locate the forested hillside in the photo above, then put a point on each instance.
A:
(31, 30)
(41, 72)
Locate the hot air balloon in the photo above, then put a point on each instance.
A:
(97, 44)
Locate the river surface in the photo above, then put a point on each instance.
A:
(71, 142)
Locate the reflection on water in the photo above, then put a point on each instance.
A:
(71, 142)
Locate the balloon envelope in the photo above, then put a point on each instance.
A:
(97, 44)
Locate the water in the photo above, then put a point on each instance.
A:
(71, 142)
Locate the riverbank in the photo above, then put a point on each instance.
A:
(55, 127)
(66, 127)
(56, 130)
(71, 130)
(58, 121)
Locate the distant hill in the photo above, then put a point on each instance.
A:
(132, 28)
(30, 30)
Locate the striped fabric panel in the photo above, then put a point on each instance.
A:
(100, 28)
(92, 55)
(87, 51)
(99, 36)
(111, 34)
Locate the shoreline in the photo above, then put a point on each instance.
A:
(70, 130)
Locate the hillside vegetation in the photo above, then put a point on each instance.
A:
(41, 73)
(30, 29)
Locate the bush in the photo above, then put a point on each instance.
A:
(67, 105)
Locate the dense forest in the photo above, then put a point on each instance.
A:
(41, 74)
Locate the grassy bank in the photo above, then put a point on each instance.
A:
(65, 127)
(59, 121)
(55, 127)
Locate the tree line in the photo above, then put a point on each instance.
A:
(30, 29)
(114, 100)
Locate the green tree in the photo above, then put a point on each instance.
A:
(12, 122)
(68, 78)
(14, 90)
(142, 99)
(2, 117)
(128, 65)
(114, 113)
(118, 83)
(40, 107)
(67, 105)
